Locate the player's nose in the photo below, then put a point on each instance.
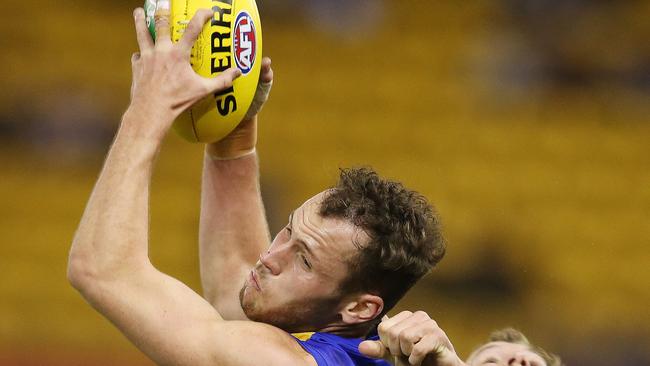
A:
(273, 260)
(268, 263)
(519, 360)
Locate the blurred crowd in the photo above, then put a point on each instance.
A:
(502, 75)
(532, 49)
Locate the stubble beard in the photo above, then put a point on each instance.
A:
(294, 316)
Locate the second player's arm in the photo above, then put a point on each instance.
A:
(233, 230)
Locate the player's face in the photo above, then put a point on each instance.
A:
(505, 354)
(294, 285)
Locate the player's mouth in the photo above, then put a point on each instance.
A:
(255, 280)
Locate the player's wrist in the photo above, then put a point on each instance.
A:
(239, 143)
(210, 153)
(230, 149)
(137, 123)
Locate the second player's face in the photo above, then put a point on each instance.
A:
(295, 284)
(505, 354)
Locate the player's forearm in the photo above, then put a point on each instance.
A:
(113, 232)
(233, 228)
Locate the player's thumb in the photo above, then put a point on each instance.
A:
(373, 349)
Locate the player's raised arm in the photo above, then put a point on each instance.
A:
(233, 229)
(109, 261)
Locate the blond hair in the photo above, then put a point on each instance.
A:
(511, 335)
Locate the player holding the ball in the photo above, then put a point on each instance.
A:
(310, 296)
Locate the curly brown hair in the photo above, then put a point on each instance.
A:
(405, 238)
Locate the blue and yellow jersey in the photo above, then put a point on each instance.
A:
(332, 350)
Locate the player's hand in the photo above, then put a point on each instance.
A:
(164, 83)
(412, 339)
(242, 140)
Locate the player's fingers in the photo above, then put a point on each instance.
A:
(404, 330)
(266, 75)
(409, 336)
(445, 340)
(145, 42)
(387, 323)
(431, 349)
(261, 96)
(223, 81)
(394, 335)
(384, 328)
(161, 19)
(427, 346)
(433, 328)
(396, 338)
(194, 28)
(374, 349)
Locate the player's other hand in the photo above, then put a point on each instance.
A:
(164, 83)
(263, 89)
(242, 140)
(412, 339)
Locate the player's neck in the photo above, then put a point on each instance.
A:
(348, 330)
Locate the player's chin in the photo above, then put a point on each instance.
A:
(250, 303)
(255, 313)
(255, 310)
(246, 297)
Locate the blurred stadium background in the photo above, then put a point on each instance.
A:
(527, 122)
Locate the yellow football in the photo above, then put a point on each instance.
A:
(233, 38)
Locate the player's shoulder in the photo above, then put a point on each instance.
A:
(333, 350)
(253, 343)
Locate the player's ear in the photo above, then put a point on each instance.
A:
(363, 308)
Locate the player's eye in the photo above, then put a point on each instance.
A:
(305, 262)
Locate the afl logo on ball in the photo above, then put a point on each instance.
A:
(244, 47)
